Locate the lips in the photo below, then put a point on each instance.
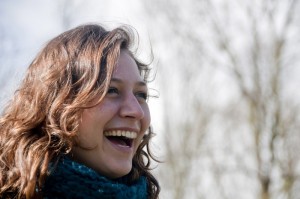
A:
(121, 138)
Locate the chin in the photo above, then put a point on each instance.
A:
(120, 171)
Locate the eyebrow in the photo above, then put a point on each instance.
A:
(139, 83)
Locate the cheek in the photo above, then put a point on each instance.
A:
(147, 117)
(90, 128)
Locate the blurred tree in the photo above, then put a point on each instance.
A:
(231, 111)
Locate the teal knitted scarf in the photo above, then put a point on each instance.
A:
(73, 180)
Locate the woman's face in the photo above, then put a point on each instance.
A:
(110, 132)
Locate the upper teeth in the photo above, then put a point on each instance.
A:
(127, 134)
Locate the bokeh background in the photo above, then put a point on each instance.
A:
(227, 75)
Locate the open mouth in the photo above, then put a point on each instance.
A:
(121, 138)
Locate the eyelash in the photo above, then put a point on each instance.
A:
(143, 95)
(112, 90)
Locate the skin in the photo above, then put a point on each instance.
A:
(123, 108)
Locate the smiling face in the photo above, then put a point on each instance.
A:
(110, 133)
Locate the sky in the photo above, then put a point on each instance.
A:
(27, 25)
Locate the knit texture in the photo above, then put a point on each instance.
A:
(70, 179)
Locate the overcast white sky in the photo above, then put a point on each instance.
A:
(29, 24)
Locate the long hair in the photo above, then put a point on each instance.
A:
(40, 122)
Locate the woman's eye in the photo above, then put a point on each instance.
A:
(142, 95)
(112, 90)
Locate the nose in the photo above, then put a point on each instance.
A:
(131, 108)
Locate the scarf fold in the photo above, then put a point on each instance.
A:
(73, 180)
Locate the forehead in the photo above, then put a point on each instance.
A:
(127, 68)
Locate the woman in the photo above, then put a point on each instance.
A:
(79, 124)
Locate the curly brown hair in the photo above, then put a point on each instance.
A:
(40, 122)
